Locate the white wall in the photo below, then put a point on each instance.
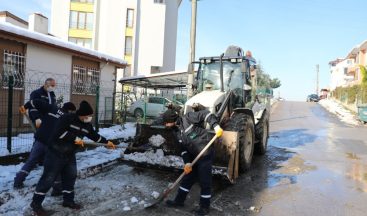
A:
(60, 18)
(13, 21)
(170, 36)
(111, 26)
(38, 23)
(42, 63)
(151, 36)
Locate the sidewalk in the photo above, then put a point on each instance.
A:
(340, 111)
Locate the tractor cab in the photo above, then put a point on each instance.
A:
(229, 74)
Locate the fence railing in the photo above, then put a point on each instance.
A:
(15, 132)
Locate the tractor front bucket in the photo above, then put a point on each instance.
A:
(226, 151)
(144, 132)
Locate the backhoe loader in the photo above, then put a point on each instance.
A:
(224, 85)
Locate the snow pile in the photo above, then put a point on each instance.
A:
(134, 200)
(96, 156)
(118, 131)
(155, 194)
(338, 109)
(156, 158)
(156, 140)
(23, 142)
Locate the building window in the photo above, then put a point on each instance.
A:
(127, 71)
(130, 18)
(83, 1)
(128, 45)
(85, 80)
(13, 65)
(159, 1)
(155, 69)
(81, 20)
(85, 42)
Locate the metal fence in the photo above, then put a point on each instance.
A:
(15, 132)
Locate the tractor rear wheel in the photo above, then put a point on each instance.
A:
(244, 125)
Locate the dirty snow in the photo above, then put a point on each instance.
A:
(15, 202)
(155, 157)
(134, 200)
(339, 110)
(156, 140)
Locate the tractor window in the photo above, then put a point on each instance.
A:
(232, 76)
(209, 76)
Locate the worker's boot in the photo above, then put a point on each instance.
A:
(38, 209)
(72, 205)
(174, 203)
(179, 200)
(202, 211)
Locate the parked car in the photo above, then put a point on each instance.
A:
(313, 98)
(155, 106)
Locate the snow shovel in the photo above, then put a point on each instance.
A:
(171, 187)
(29, 120)
(99, 144)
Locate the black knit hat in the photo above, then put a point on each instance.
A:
(84, 109)
(170, 116)
(69, 106)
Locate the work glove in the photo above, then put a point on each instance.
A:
(22, 110)
(218, 131)
(38, 123)
(187, 168)
(79, 142)
(110, 145)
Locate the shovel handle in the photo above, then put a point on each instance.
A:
(178, 180)
(99, 144)
(30, 122)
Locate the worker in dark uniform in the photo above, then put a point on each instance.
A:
(45, 93)
(193, 137)
(65, 140)
(50, 115)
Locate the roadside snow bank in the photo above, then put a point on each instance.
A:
(23, 142)
(338, 109)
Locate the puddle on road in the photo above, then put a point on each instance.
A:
(295, 166)
(357, 171)
(288, 171)
(291, 138)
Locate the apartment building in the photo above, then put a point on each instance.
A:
(143, 32)
(346, 71)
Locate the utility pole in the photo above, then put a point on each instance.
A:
(317, 79)
(190, 80)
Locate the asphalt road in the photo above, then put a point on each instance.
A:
(315, 165)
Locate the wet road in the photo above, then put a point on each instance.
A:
(315, 165)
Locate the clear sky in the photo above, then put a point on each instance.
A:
(288, 37)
